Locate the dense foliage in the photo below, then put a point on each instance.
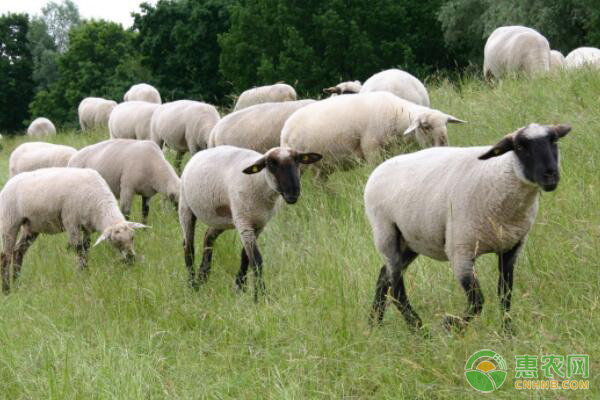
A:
(209, 49)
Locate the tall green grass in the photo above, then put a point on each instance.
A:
(138, 332)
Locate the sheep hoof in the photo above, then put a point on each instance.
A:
(452, 322)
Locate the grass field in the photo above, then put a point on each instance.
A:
(138, 332)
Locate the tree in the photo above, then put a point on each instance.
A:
(16, 84)
(178, 44)
(101, 61)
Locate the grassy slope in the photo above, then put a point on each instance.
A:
(118, 332)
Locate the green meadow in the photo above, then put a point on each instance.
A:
(118, 331)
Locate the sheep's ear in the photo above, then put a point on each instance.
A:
(561, 130)
(102, 237)
(412, 128)
(331, 90)
(454, 120)
(137, 225)
(256, 167)
(308, 158)
(503, 146)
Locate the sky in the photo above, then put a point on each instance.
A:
(112, 10)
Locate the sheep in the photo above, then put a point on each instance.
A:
(257, 127)
(515, 49)
(94, 112)
(228, 187)
(583, 56)
(54, 200)
(361, 126)
(143, 92)
(448, 204)
(183, 125)
(265, 94)
(41, 127)
(557, 60)
(400, 83)
(35, 155)
(344, 88)
(131, 120)
(131, 167)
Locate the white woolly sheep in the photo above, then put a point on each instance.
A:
(400, 83)
(557, 60)
(361, 126)
(131, 167)
(350, 87)
(143, 92)
(41, 127)
(515, 49)
(583, 56)
(131, 120)
(94, 112)
(227, 187)
(54, 200)
(265, 94)
(257, 127)
(183, 125)
(449, 204)
(35, 155)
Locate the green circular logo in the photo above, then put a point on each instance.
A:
(485, 371)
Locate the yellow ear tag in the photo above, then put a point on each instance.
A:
(305, 158)
(497, 151)
(254, 168)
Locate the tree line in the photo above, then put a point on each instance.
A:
(208, 49)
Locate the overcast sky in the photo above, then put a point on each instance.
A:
(112, 10)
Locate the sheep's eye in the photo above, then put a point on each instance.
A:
(272, 163)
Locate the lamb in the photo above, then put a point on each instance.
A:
(557, 60)
(183, 125)
(54, 200)
(35, 155)
(515, 49)
(583, 56)
(257, 127)
(41, 127)
(131, 120)
(131, 167)
(344, 88)
(400, 83)
(94, 112)
(361, 126)
(143, 92)
(228, 187)
(265, 94)
(448, 204)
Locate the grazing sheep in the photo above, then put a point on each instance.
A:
(360, 126)
(41, 127)
(131, 167)
(265, 94)
(257, 127)
(35, 155)
(515, 49)
(94, 112)
(131, 120)
(557, 60)
(400, 83)
(583, 56)
(456, 204)
(227, 187)
(183, 125)
(143, 92)
(344, 88)
(54, 200)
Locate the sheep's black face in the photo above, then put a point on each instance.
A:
(537, 151)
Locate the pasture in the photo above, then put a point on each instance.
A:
(138, 332)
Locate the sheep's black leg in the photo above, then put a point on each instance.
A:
(506, 263)
(240, 280)
(145, 209)
(22, 246)
(399, 291)
(257, 264)
(209, 238)
(5, 260)
(379, 303)
(188, 222)
(470, 284)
